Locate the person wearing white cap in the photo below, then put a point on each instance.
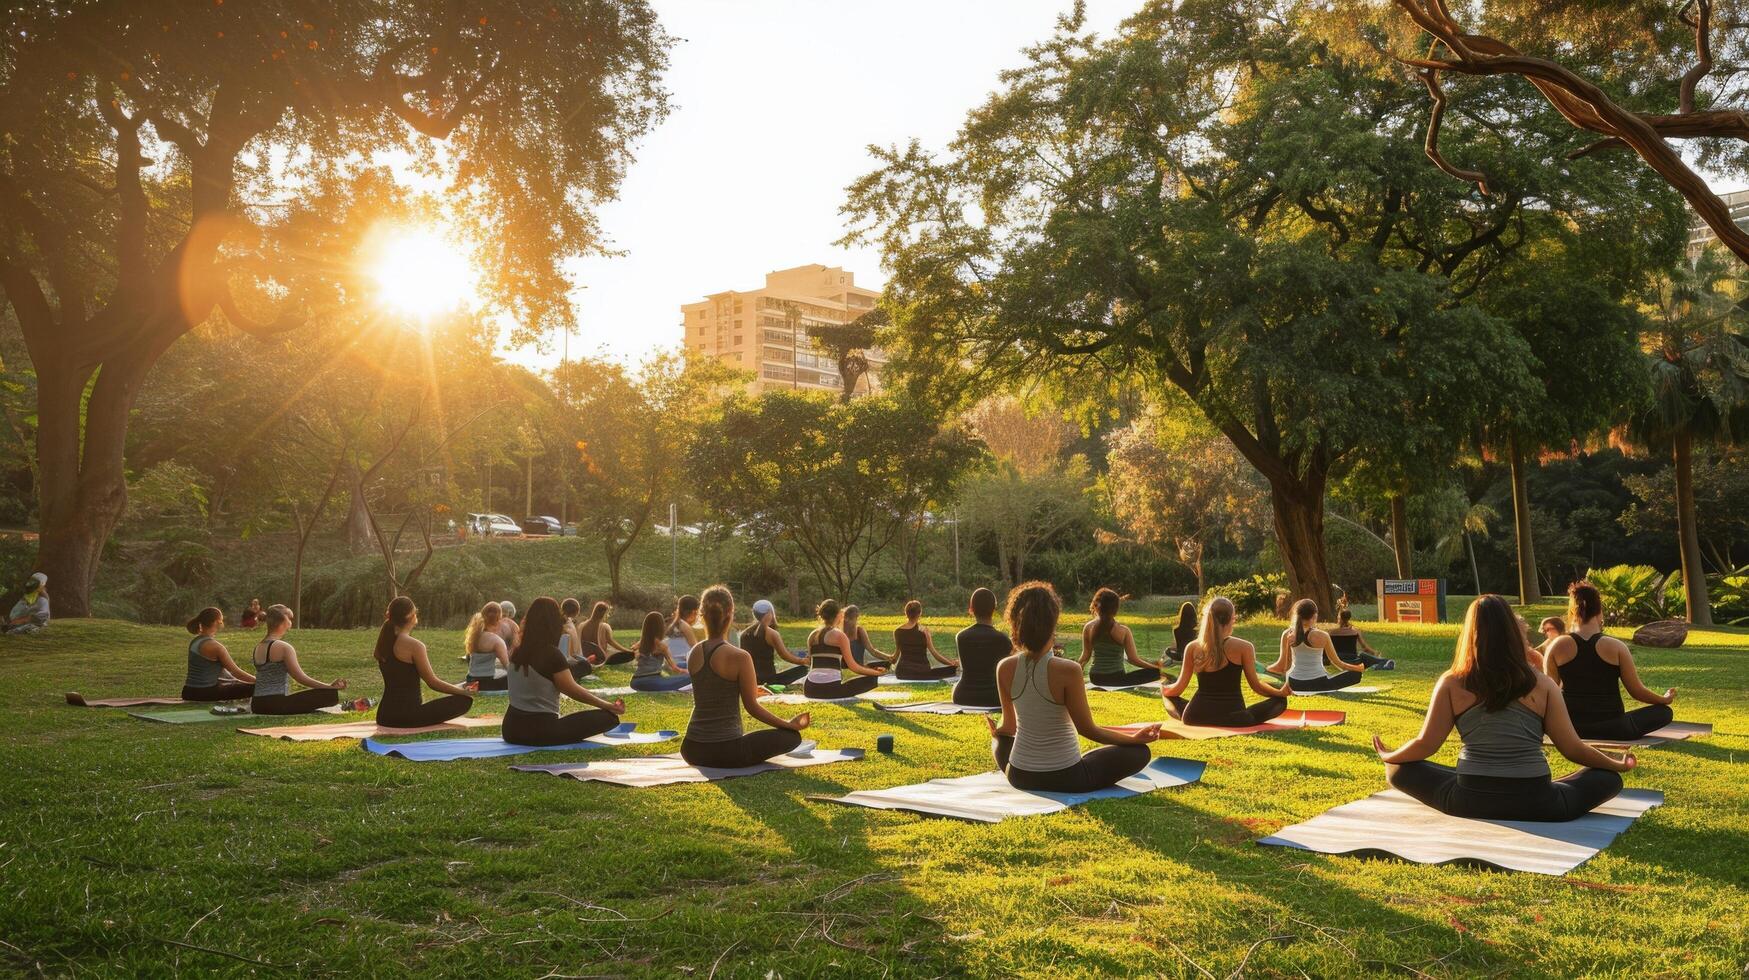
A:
(31, 612)
(764, 643)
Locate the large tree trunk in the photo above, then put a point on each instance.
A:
(1528, 590)
(1299, 533)
(1400, 543)
(1700, 610)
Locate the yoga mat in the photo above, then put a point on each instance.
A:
(936, 708)
(366, 729)
(1288, 721)
(1147, 686)
(661, 770)
(78, 700)
(450, 749)
(790, 697)
(185, 716)
(1676, 731)
(1393, 823)
(1356, 689)
(987, 797)
(894, 679)
(620, 692)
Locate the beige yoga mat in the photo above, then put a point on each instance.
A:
(1288, 721)
(78, 700)
(936, 708)
(661, 770)
(1676, 731)
(796, 697)
(988, 797)
(366, 729)
(1393, 823)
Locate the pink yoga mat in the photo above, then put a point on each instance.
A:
(366, 729)
(78, 700)
(1290, 720)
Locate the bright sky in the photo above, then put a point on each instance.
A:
(774, 103)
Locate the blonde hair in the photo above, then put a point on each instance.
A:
(1217, 613)
(487, 617)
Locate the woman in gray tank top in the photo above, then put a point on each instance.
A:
(276, 666)
(1501, 709)
(1044, 707)
(652, 659)
(212, 674)
(723, 681)
(538, 675)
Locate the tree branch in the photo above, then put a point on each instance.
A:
(1703, 50)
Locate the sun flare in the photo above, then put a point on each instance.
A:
(418, 273)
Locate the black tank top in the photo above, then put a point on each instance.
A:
(1346, 645)
(760, 649)
(1590, 685)
(913, 648)
(400, 680)
(1221, 685)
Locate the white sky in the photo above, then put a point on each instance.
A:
(774, 103)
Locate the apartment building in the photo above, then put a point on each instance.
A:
(767, 332)
(1700, 236)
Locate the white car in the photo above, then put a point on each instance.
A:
(493, 524)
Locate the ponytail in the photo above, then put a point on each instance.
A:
(827, 610)
(1216, 615)
(398, 615)
(204, 620)
(1104, 609)
(1305, 611)
(718, 605)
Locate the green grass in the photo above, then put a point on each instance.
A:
(121, 840)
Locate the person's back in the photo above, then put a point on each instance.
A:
(754, 641)
(979, 648)
(1590, 684)
(1308, 663)
(1044, 739)
(716, 701)
(1506, 743)
(202, 671)
(913, 650)
(270, 676)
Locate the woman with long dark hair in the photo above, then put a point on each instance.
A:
(1044, 706)
(1592, 667)
(723, 682)
(538, 675)
(404, 663)
(1109, 644)
(1217, 659)
(1305, 649)
(652, 656)
(829, 659)
(1352, 647)
(276, 666)
(1501, 709)
(212, 674)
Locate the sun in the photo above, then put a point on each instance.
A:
(419, 273)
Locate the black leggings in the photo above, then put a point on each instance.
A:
(1537, 798)
(1097, 769)
(303, 702)
(739, 753)
(930, 674)
(1363, 659)
(1633, 725)
(1125, 678)
(976, 695)
(840, 689)
(620, 657)
(490, 683)
(789, 676)
(1329, 682)
(580, 668)
(536, 728)
(222, 691)
(1216, 712)
(410, 713)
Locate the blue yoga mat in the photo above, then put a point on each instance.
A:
(451, 749)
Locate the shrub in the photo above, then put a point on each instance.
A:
(1254, 596)
(1632, 594)
(1729, 592)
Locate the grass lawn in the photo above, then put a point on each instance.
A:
(131, 848)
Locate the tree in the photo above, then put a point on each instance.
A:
(1214, 201)
(1698, 360)
(835, 481)
(1029, 492)
(1635, 49)
(136, 201)
(848, 344)
(631, 432)
(1176, 484)
(1721, 505)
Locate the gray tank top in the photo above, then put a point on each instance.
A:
(1308, 663)
(716, 703)
(649, 664)
(485, 664)
(1045, 739)
(531, 691)
(201, 671)
(270, 675)
(1507, 743)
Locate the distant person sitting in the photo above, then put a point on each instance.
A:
(829, 659)
(681, 636)
(599, 646)
(1109, 644)
(252, 615)
(1501, 709)
(653, 666)
(1552, 628)
(981, 646)
(276, 666)
(1592, 668)
(508, 631)
(488, 657)
(916, 646)
(1183, 633)
(1352, 647)
(1044, 708)
(1217, 660)
(1305, 649)
(764, 644)
(212, 674)
(405, 663)
(31, 612)
(538, 675)
(861, 646)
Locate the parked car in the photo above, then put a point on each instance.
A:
(541, 525)
(495, 524)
